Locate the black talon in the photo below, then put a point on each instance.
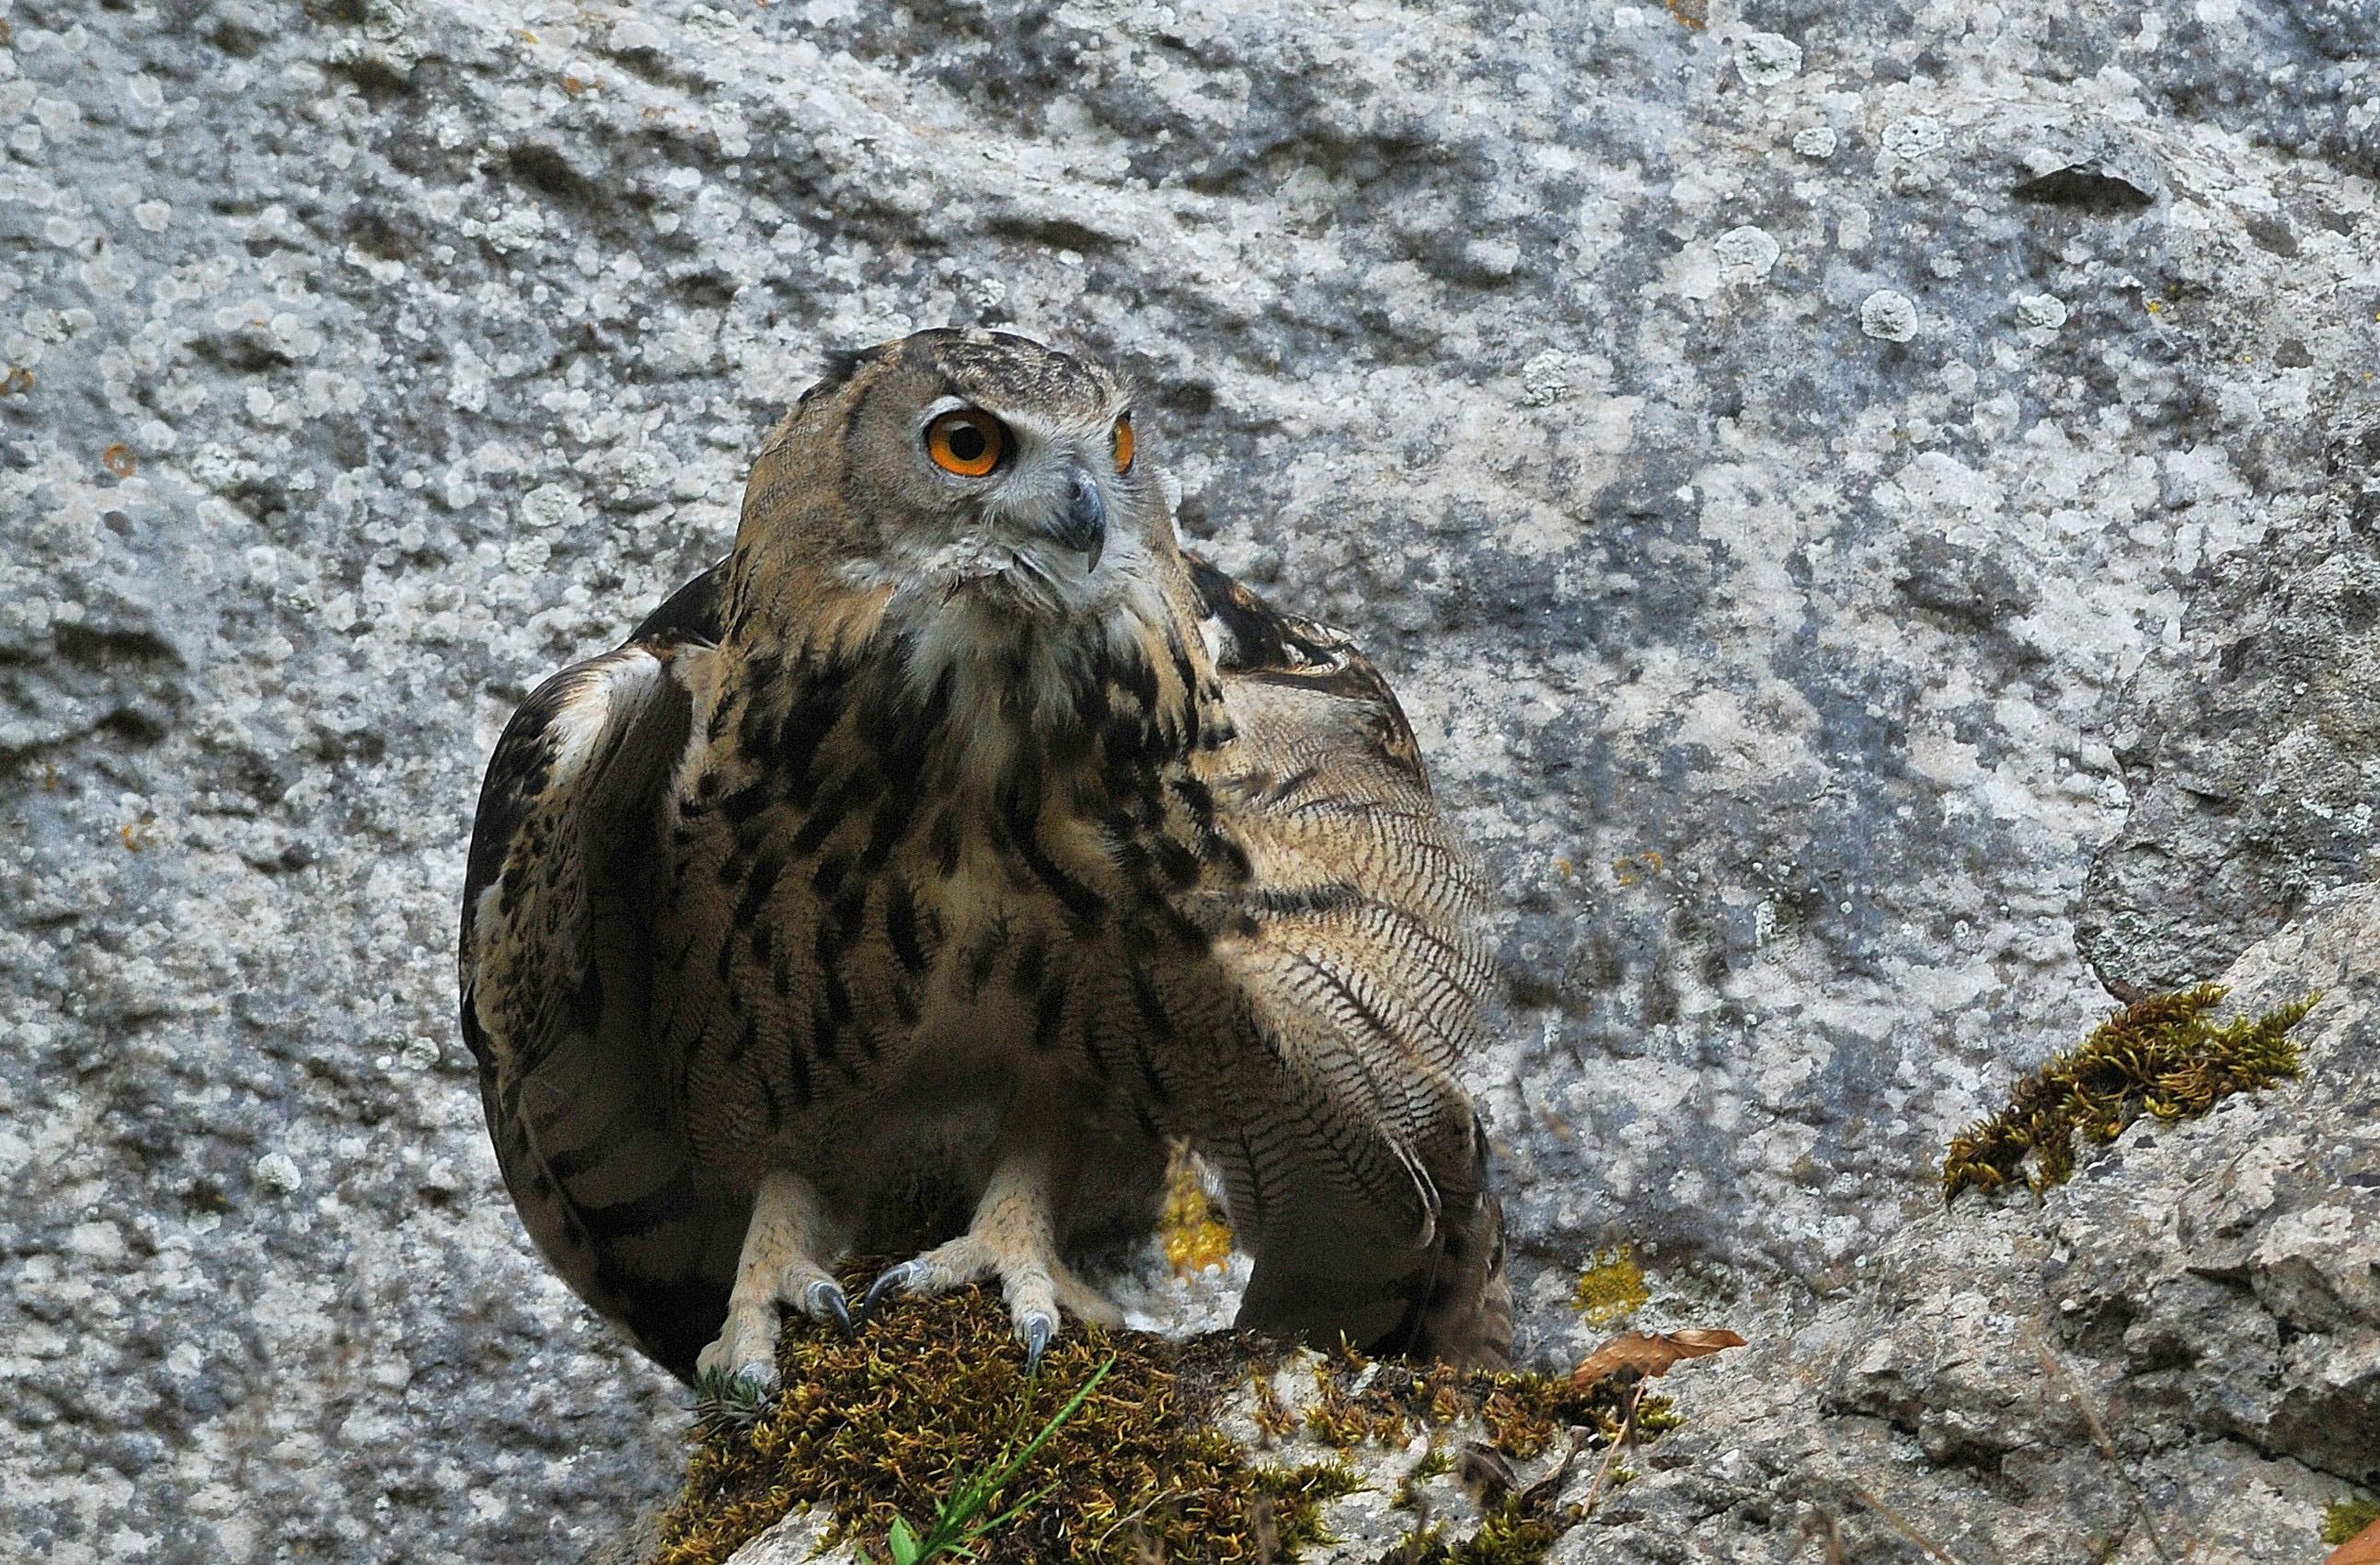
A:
(826, 1296)
(898, 1277)
(1038, 1332)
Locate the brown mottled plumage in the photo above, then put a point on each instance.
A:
(960, 838)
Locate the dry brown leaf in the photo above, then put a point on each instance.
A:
(2363, 1549)
(1651, 1352)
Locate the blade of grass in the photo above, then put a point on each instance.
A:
(1027, 1503)
(1074, 1405)
(956, 1529)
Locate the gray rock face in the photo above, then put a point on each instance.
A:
(2174, 1355)
(1812, 476)
(2250, 754)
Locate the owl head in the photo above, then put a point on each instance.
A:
(968, 466)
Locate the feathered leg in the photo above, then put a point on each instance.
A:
(778, 1267)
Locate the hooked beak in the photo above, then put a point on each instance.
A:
(1083, 525)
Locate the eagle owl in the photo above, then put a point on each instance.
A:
(918, 873)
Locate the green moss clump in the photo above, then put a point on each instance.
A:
(932, 1390)
(1515, 1531)
(1340, 1417)
(1273, 1417)
(2349, 1517)
(2161, 1055)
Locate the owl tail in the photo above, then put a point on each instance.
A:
(1448, 1300)
(1466, 1317)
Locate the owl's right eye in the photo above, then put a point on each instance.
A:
(966, 441)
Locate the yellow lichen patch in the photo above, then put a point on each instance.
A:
(935, 1389)
(1634, 870)
(1612, 1288)
(1192, 1224)
(2161, 1056)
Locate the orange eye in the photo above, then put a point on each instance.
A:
(1123, 444)
(966, 441)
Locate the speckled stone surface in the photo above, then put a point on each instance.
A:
(1832, 483)
(2251, 747)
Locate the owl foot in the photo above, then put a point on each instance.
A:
(1014, 1238)
(775, 1270)
(1037, 1285)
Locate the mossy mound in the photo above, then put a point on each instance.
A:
(934, 1390)
(2160, 1056)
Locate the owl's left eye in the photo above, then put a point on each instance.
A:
(966, 441)
(1123, 444)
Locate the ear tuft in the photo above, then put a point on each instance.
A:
(841, 364)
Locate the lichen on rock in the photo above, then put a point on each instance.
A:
(1610, 1287)
(1192, 1227)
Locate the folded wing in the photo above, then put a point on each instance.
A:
(1356, 1171)
(556, 963)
